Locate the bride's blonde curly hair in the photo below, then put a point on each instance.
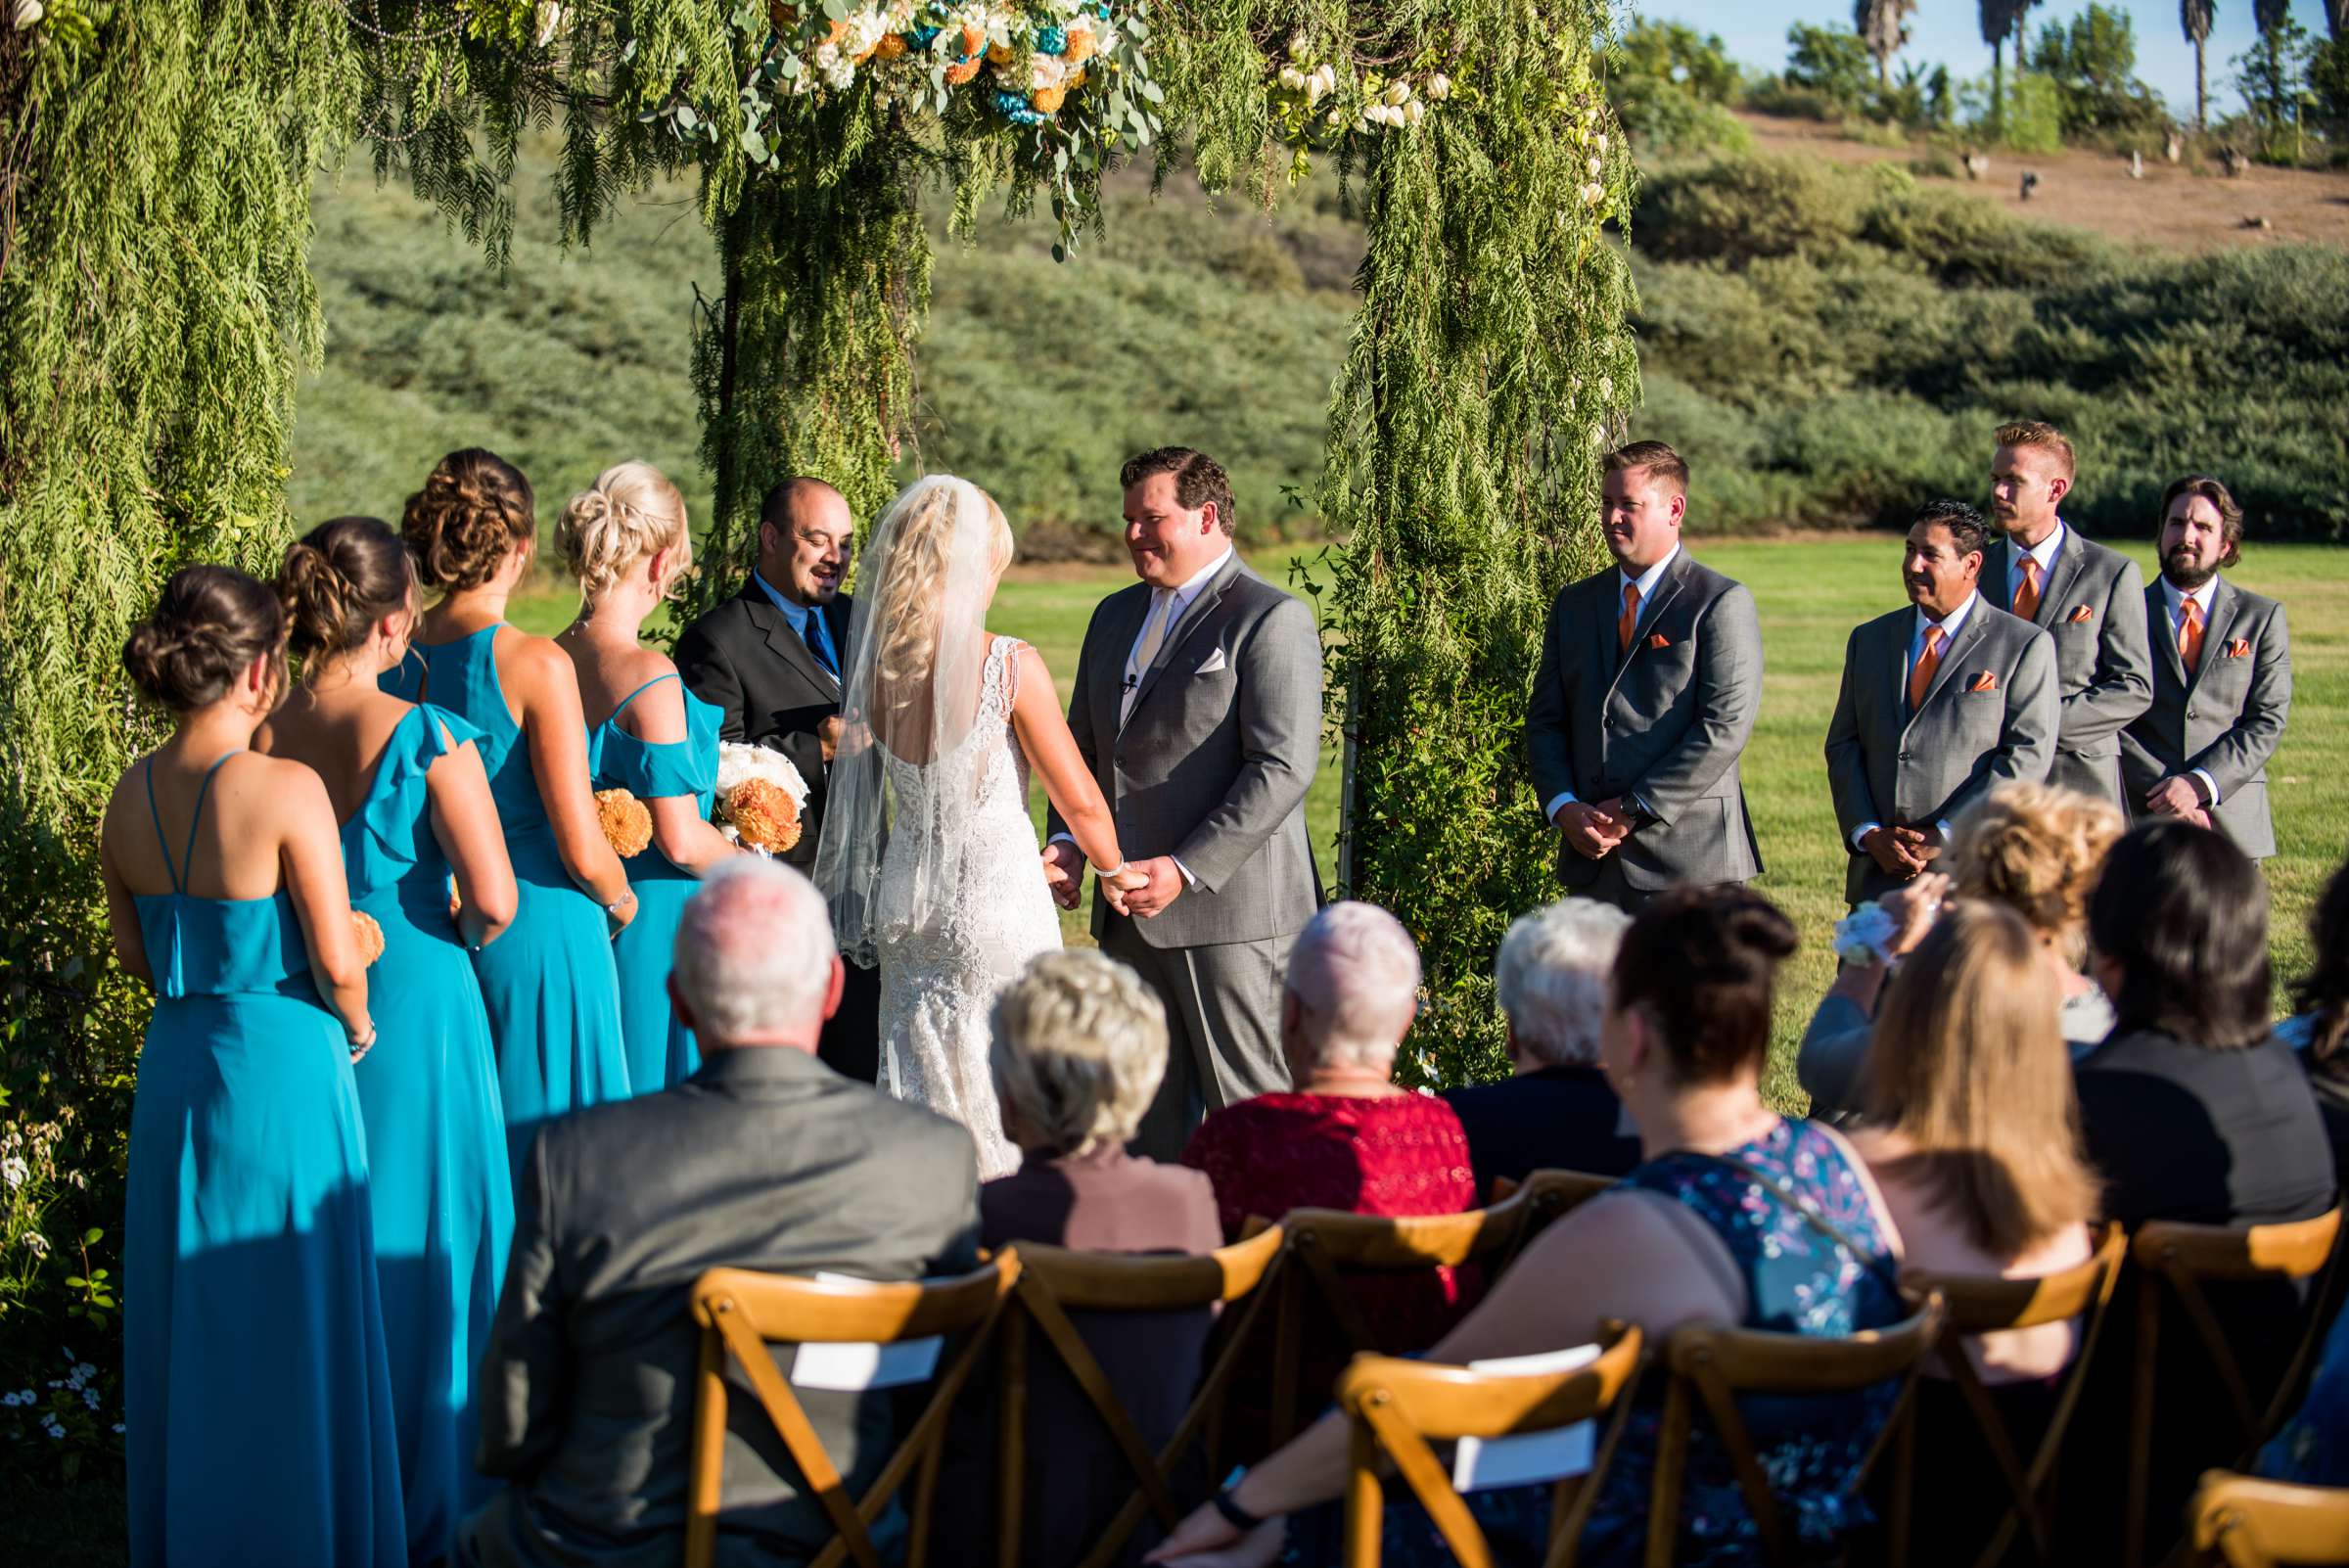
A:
(632, 511)
(911, 593)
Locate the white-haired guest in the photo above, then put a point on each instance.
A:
(1346, 1136)
(1557, 1111)
(1078, 1045)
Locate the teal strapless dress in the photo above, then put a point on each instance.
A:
(548, 980)
(258, 1397)
(442, 1191)
(660, 1050)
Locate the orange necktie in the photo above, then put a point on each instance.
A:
(2189, 635)
(2026, 597)
(1920, 678)
(1628, 622)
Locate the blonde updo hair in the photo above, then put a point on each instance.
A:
(2036, 848)
(474, 510)
(631, 511)
(1077, 1044)
(913, 586)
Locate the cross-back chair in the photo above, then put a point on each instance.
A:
(742, 1313)
(2178, 1261)
(1396, 1407)
(1712, 1367)
(2250, 1523)
(1054, 1282)
(1986, 1304)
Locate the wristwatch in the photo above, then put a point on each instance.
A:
(1226, 1504)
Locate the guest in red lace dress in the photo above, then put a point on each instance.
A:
(1347, 1137)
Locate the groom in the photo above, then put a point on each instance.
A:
(1198, 703)
(770, 660)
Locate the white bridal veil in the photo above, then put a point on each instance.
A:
(905, 777)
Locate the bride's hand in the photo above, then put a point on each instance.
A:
(1130, 878)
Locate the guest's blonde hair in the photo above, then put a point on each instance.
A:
(1077, 1044)
(2036, 848)
(632, 511)
(1968, 1065)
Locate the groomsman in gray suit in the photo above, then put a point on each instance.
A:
(1198, 703)
(2222, 679)
(1940, 702)
(1651, 673)
(2089, 598)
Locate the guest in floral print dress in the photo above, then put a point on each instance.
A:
(1736, 1216)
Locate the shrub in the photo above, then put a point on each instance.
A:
(1938, 165)
(1833, 63)
(1741, 208)
(1664, 117)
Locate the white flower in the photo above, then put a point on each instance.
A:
(119, 1429)
(1399, 93)
(1593, 194)
(1597, 166)
(1320, 83)
(36, 1244)
(85, 1371)
(1861, 937)
(55, 1430)
(1361, 127)
(838, 70)
(28, 12)
(1301, 48)
(8, 1402)
(13, 1171)
(1413, 111)
(1334, 118)
(737, 761)
(865, 31)
(89, 1397)
(1598, 143)
(549, 22)
(1291, 78)
(1047, 70)
(1438, 87)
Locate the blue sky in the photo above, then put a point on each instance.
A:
(1948, 32)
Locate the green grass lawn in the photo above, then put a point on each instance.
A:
(1812, 593)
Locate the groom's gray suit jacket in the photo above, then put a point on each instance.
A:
(1213, 761)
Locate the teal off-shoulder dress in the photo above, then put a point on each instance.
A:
(660, 1050)
(258, 1399)
(548, 980)
(442, 1191)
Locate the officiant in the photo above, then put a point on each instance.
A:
(770, 660)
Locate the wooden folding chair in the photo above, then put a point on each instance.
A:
(1986, 1304)
(742, 1312)
(1553, 1195)
(1396, 1407)
(2179, 1260)
(2268, 1524)
(1325, 1244)
(1054, 1282)
(1714, 1366)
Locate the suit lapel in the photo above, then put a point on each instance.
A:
(1193, 618)
(2215, 630)
(1997, 573)
(1667, 589)
(2164, 627)
(789, 645)
(2055, 593)
(1952, 656)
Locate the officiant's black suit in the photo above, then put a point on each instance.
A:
(744, 658)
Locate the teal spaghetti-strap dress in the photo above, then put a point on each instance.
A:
(258, 1399)
(548, 980)
(660, 1050)
(440, 1188)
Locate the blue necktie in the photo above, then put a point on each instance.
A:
(819, 639)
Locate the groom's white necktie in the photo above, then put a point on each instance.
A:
(1145, 647)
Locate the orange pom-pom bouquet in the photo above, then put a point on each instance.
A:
(627, 821)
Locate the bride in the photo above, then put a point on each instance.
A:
(928, 855)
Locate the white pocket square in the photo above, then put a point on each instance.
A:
(1214, 662)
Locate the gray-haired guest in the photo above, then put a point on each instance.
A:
(1558, 1111)
(1079, 1044)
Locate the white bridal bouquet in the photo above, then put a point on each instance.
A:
(759, 796)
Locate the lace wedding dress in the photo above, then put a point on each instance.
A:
(945, 954)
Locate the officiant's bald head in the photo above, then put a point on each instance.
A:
(806, 538)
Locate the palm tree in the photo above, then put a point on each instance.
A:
(2001, 19)
(2194, 15)
(1884, 26)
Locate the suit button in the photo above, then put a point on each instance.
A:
(1904, 757)
(2191, 714)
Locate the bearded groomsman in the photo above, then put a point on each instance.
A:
(1940, 702)
(2089, 598)
(2222, 679)
(1650, 676)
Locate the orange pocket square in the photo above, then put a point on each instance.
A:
(2082, 616)
(1659, 640)
(2241, 648)
(1984, 681)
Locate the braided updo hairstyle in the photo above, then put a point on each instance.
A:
(474, 509)
(337, 581)
(632, 512)
(211, 623)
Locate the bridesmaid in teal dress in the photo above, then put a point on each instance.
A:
(552, 993)
(626, 542)
(408, 784)
(258, 1399)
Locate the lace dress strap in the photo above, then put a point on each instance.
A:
(1003, 675)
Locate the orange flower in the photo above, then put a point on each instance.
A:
(764, 815)
(1046, 100)
(974, 38)
(371, 936)
(890, 46)
(956, 76)
(627, 821)
(999, 55)
(1080, 46)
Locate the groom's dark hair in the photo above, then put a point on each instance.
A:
(1198, 478)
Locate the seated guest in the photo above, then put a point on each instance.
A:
(1345, 1138)
(764, 1159)
(1079, 1044)
(2034, 847)
(1739, 1217)
(1556, 1111)
(2320, 1030)
(2192, 1109)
